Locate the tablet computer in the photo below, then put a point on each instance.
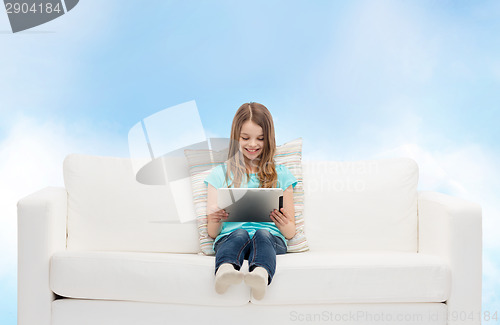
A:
(249, 204)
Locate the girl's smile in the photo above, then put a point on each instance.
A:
(251, 140)
(252, 150)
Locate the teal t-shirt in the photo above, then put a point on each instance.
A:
(217, 178)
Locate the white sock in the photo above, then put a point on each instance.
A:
(226, 275)
(257, 280)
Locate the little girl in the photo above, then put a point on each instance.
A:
(250, 164)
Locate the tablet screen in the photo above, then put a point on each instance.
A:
(249, 204)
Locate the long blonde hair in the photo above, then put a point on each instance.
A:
(261, 116)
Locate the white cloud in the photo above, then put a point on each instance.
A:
(468, 171)
(41, 65)
(432, 175)
(31, 157)
(380, 46)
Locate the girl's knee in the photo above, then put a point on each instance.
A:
(241, 233)
(263, 233)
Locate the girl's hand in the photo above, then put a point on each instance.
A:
(217, 216)
(285, 221)
(280, 218)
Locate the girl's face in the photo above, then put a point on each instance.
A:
(251, 140)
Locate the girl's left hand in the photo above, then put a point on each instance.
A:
(280, 218)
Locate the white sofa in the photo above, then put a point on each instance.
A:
(108, 250)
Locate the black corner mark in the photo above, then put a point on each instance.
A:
(70, 4)
(26, 14)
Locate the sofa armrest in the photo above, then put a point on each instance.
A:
(41, 220)
(451, 228)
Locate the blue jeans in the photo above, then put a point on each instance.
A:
(261, 250)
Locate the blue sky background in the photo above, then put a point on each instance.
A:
(354, 79)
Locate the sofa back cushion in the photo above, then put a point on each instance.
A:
(109, 210)
(367, 205)
(361, 205)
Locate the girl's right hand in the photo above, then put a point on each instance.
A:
(217, 216)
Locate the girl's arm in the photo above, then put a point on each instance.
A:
(285, 219)
(215, 216)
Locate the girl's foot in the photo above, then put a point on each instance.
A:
(226, 275)
(257, 280)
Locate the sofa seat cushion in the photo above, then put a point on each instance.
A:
(301, 278)
(358, 277)
(145, 277)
